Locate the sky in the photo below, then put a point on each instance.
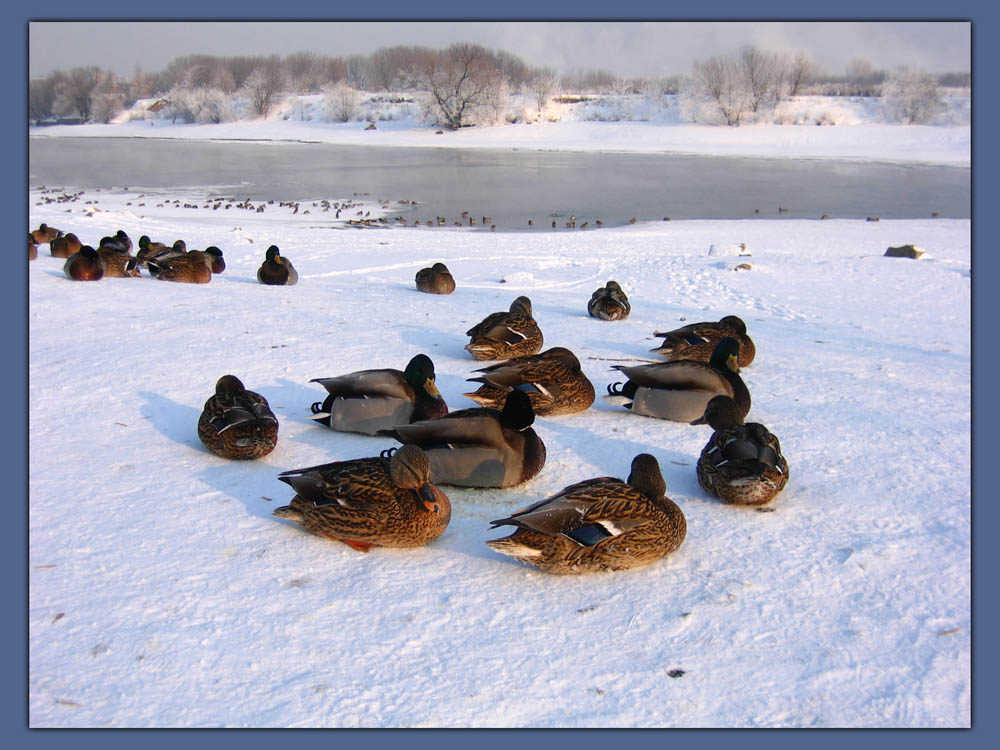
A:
(624, 48)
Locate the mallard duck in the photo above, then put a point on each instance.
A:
(609, 303)
(65, 245)
(216, 261)
(84, 265)
(479, 447)
(32, 247)
(698, 340)
(435, 280)
(237, 423)
(45, 234)
(598, 524)
(120, 241)
(367, 502)
(371, 400)
(118, 264)
(741, 463)
(149, 250)
(680, 390)
(503, 335)
(552, 380)
(188, 268)
(276, 270)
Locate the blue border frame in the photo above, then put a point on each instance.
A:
(13, 706)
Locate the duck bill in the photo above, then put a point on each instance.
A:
(428, 498)
(733, 362)
(277, 259)
(431, 388)
(699, 420)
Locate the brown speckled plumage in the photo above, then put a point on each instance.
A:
(609, 303)
(386, 502)
(117, 264)
(236, 423)
(504, 335)
(598, 524)
(552, 380)
(697, 341)
(741, 463)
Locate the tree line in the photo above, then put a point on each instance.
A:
(461, 84)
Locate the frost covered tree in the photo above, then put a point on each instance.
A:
(460, 81)
(910, 95)
(799, 70)
(717, 82)
(741, 85)
(342, 102)
(263, 87)
(201, 105)
(542, 85)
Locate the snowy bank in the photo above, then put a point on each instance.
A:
(819, 128)
(162, 592)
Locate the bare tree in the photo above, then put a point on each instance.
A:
(911, 95)
(460, 79)
(799, 71)
(719, 81)
(356, 71)
(108, 98)
(342, 102)
(384, 65)
(263, 87)
(542, 84)
(42, 96)
(140, 85)
(302, 69)
(76, 89)
(210, 73)
(762, 75)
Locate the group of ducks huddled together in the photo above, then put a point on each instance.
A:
(113, 258)
(394, 499)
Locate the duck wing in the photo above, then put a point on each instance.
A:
(386, 382)
(679, 375)
(465, 427)
(587, 512)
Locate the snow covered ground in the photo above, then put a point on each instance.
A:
(162, 592)
(816, 128)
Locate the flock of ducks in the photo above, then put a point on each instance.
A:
(113, 259)
(393, 499)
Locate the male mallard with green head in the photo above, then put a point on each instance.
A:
(369, 502)
(237, 423)
(371, 400)
(479, 447)
(276, 270)
(742, 462)
(598, 524)
(553, 381)
(680, 390)
(503, 335)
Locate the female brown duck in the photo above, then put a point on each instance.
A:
(598, 524)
